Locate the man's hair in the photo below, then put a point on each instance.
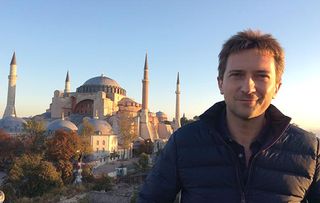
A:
(249, 39)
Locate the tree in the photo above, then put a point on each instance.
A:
(5, 148)
(62, 149)
(87, 173)
(143, 162)
(86, 146)
(85, 132)
(87, 128)
(184, 120)
(33, 137)
(33, 127)
(10, 147)
(127, 129)
(103, 183)
(31, 176)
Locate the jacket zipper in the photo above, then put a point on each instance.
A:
(256, 155)
(243, 189)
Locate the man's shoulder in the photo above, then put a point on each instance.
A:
(300, 133)
(301, 138)
(189, 129)
(192, 133)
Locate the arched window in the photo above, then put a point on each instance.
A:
(84, 107)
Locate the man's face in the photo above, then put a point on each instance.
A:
(249, 83)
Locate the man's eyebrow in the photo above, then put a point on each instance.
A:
(262, 71)
(235, 71)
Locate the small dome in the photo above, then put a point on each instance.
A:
(161, 114)
(61, 125)
(12, 124)
(101, 127)
(126, 101)
(102, 81)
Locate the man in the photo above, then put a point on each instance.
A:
(242, 149)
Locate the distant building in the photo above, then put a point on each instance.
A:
(102, 100)
(103, 97)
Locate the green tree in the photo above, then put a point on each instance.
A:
(143, 162)
(103, 183)
(33, 127)
(33, 137)
(87, 128)
(62, 149)
(32, 176)
(127, 129)
(87, 174)
(85, 145)
(85, 132)
(184, 120)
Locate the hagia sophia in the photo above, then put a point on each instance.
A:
(100, 101)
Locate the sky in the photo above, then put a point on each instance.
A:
(90, 38)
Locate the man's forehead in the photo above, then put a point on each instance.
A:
(250, 59)
(264, 52)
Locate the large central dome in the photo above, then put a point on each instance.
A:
(101, 83)
(102, 80)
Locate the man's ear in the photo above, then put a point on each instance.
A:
(278, 85)
(220, 82)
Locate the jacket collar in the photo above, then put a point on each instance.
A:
(278, 121)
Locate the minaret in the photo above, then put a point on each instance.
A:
(67, 84)
(145, 85)
(145, 128)
(177, 117)
(10, 108)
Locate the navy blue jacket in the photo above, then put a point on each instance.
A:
(200, 164)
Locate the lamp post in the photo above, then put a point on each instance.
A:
(78, 179)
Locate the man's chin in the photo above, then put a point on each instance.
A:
(247, 115)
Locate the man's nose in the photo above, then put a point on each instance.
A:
(248, 85)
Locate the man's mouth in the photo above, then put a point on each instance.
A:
(249, 102)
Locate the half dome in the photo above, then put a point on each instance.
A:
(101, 127)
(12, 125)
(61, 125)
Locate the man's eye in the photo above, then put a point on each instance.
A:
(263, 75)
(236, 75)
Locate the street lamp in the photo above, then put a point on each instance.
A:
(78, 179)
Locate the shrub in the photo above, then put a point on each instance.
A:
(103, 183)
(31, 176)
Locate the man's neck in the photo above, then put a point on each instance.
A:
(245, 131)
